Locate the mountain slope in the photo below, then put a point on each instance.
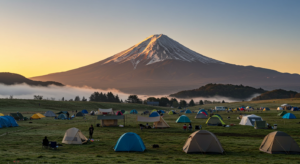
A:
(160, 65)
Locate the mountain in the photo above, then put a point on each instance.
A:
(211, 90)
(161, 65)
(276, 94)
(11, 79)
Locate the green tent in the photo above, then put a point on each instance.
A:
(17, 116)
(260, 124)
(126, 112)
(281, 113)
(215, 120)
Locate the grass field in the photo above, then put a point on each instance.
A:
(240, 143)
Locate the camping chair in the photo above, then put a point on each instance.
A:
(45, 145)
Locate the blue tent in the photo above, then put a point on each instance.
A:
(3, 122)
(130, 142)
(187, 111)
(84, 111)
(133, 111)
(295, 109)
(12, 121)
(62, 116)
(183, 119)
(179, 107)
(202, 110)
(181, 111)
(289, 116)
(161, 111)
(154, 114)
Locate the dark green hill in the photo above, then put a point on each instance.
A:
(228, 90)
(12, 78)
(277, 94)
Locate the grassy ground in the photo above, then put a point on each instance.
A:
(241, 143)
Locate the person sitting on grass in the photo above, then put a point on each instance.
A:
(184, 127)
(45, 142)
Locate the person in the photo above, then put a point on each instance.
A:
(45, 141)
(190, 127)
(68, 115)
(147, 125)
(184, 127)
(91, 131)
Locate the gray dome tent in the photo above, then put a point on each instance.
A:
(49, 114)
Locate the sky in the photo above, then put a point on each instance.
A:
(42, 37)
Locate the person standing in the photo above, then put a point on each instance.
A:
(91, 131)
(190, 127)
(184, 127)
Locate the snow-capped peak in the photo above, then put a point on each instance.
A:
(157, 48)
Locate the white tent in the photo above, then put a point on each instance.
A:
(250, 120)
(74, 136)
(279, 108)
(107, 111)
(285, 105)
(158, 122)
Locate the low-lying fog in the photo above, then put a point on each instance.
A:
(24, 91)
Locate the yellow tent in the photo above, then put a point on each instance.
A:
(37, 116)
(1, 114)
(154, 110)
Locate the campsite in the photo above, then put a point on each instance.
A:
(241, 144)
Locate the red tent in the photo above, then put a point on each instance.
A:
(119, 113)
(242, 109)
(204, 113)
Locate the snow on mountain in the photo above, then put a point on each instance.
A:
(157, 48)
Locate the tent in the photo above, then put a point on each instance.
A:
(201, 115)
(266, 109)
(133, 111)
(187, 111)
(279, 143)
(105, 111)
(17, 116)
(202, 141)
(12, 121)
(161, 111)
(92, 112)
(218, 116)
(183, 119)
(158, 122)
(1, 114)
(279, 108)
(154, 114)
(126, 112)
(4, 122)
(37, 116)
(248, 107)
(202, 110)
(282, 113)
(74, 136)
(295, 109)
(79, 114)
(260, 124)
(236, 109)
(130, 142)
(154, 110)
(62, 112)
(119, 113)
(250, 120)
(49, 114)
(171, 112)
(215, 121)
(110, 120)
(62, 116)
(123, 111)
(285, 105)
(179, 107)
(289, 116)
(85, 111)
(242, 109)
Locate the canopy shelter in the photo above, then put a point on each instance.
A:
(266, 109)
(133, 111)
(279, 143)
(110, 120)
(49, 114)
(202, 141)
(215, 121)
(201, 115)
(158, 122)
(119, 113)
(84, 111)
(74, 136)
(154, 114)
(250, 120)
(130, 142)
(62, 116)
(279, 108)
(105, 111)
(1, 114)
(282, 113)
(17, 116)
(183, 119)
(188, 111)
(295, 109)
(79, 114)
(289, 116)
(37, 116)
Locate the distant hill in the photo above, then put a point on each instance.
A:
(277, 94)
(12, 78)
(228, 90)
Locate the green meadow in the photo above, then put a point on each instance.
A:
(23, 144)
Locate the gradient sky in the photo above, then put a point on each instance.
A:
(42, 37)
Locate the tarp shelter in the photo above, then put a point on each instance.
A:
(289, 116)
(282, 113)
(62, 116)
(295, 109)
(133, 111)
(1, 114)
(187, 111)
(130, 142)
(201, 115)
(203, 110)
(110, 120)
(266, 109)
(202, 141)
(154, 114)
(37, 116)
(119, 113)
(17, 116)
(74, 136)
(85, 111)
(183, 119)
(215, 121)
(49, 114)
(279, 143)
(260, 124)
(158, 122)
(250, 120)
(79, 114)
(105, 111)
(123, 111)
(279, 108)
